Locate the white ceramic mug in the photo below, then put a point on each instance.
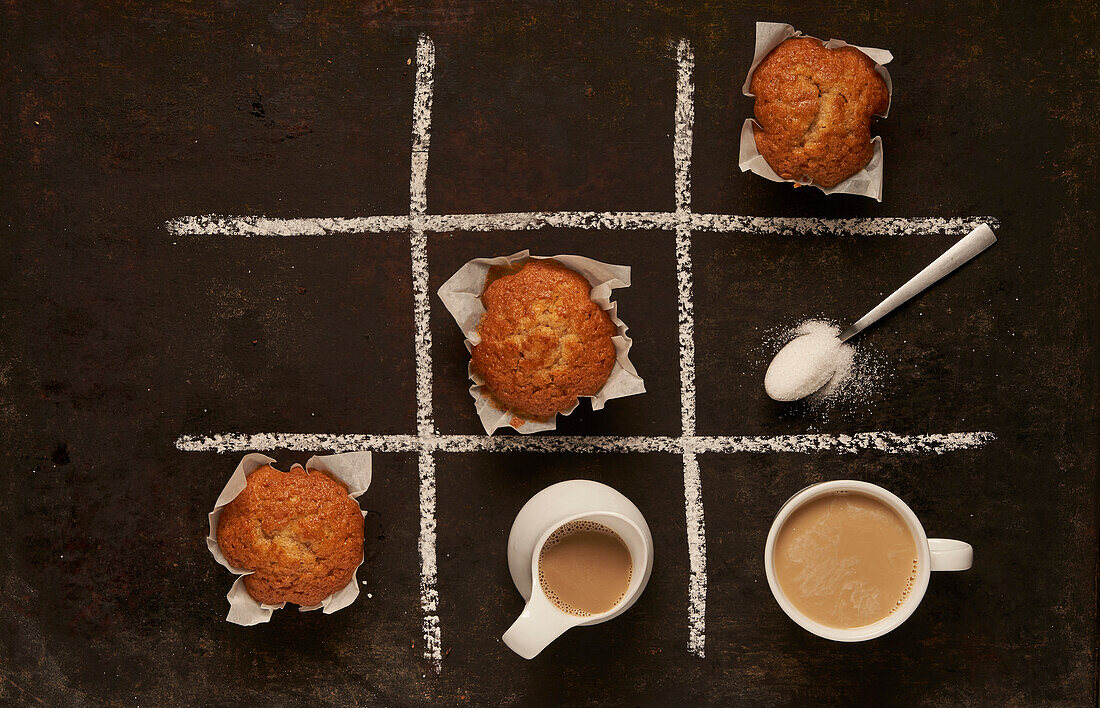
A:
(932, 554)
(541, 622)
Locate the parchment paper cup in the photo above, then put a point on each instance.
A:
(351, 468)
(868, 181)
(462, 296)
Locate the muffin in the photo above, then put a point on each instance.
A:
(298, 531)
(544, 342)
(814, 106)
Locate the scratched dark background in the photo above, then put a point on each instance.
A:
(117, 337)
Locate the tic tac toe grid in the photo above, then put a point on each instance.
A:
(683, 221)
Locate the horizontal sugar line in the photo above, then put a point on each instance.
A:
(216, 225)
(350, 442)
(557, 443)
(529, 221)
(871, 226)
(882, 441)
(213, 224)
(339, 442)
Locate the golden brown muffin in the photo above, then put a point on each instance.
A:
(299, 532)
(543, 341)
(814, 106)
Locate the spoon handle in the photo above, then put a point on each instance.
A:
(969, 246)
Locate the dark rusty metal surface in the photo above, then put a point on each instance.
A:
(117, 337)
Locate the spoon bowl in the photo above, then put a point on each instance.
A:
(803, 365)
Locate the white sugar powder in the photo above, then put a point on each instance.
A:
(808, 363)
(857, 375)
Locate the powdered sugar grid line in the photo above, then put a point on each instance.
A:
(804, 443)
(684, 117)
(683, 221)
(254, 226)
(425, 421)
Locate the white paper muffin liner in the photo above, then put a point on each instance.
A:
(868, 181)
(351, 468)
(462, 296)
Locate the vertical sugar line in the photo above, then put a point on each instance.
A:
(418, 206)
(425, 424)
(681, 152)
(693, 494)
(429, 592)
(697, 556)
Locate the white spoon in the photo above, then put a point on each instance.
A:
(809, 361)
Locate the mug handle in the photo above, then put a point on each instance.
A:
(949, 554)
(539, 624)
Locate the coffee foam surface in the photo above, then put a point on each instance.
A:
(560, 534)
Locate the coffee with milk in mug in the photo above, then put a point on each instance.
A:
(846, 559)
